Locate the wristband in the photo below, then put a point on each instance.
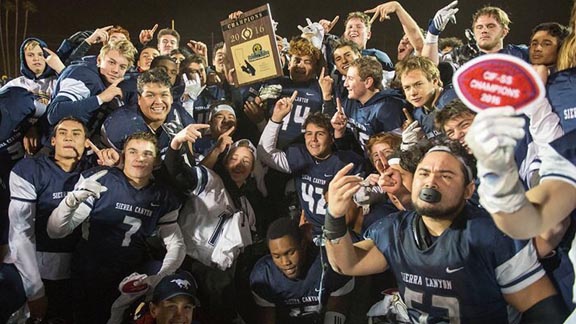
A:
(431, 38)
(334, 228)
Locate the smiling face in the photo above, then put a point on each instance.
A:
(457, 128)
(318, 141)
(443, 172)
(343, 56)
(543, 48)
(69, 140)
(489, 34)
(113, 66)
(176, 310)
(222, 121)
(34, 57)
(301, 68)
(155, 102)
(418, 89)
(405, 48)
(139, 158)
(357, 88)
(287, 255)
(357, 32)
(239, 164)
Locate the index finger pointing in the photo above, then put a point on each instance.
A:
(98, 175)
(93, 147)
(293, 97)
(339, 106)
(334, 21)
(107, 27)
(200, 126)
(408, 115)
(322, 72)
(228, 132)
(154, 28)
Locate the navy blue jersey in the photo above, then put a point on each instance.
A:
(128, 120)
(308, 101)
(426, 119)
(296, 301)
(561, 92)
(121, 220)
(41, 182)
(381, 113)
(462, 274)
(382, 57)
(312, 177)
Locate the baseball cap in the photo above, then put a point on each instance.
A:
(175, 285)
(218, 107)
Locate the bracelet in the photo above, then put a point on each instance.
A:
(334, 228)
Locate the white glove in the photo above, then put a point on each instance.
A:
(442, 17)
(411, 135)
(193, 87)
(86, 188)
(272, 91)
(313, 32)
(492, 138)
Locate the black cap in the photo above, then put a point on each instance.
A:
(175, 285)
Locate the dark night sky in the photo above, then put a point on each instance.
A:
(199, 20)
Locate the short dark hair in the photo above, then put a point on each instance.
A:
(159, 58)
(70, 118)
(154, 75)
(409, 159)
(284, 226)
(319, 119)
(217, 46)
(449, 42)
(145, 136)
(554, 29)
(343, 42)
(453, 109)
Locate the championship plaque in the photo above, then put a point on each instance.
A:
(251, 45)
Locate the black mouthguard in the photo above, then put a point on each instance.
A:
(430, 195)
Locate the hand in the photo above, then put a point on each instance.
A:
(411, 135)
(198, 48)
(230, 75)
(108, 157)
(100, 35)
(146, 35)
(327, 24)
(235, 15)
(254, 110)
(193, 87)
(339, 120)
(383, 11)
(189, 134)
(326, 82)
(111, 92)
(86, 188)
(314, 32)
(283, 107)
(53, 61)
(135, 283)
(492, 138)
(493, 135)
(38, 307)
(442, 17)
(31, 140)
(224, 140)
(390, 181)
(381, 162)
(340, 191)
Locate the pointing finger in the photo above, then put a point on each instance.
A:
(93, 147)
(409, 117)
(228, 132)
(154, 28)
(98, 175)
(334, 21)
(107, 27)
(293, 97)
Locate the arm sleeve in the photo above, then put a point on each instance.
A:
(78, 52)
(22, 240)
(187, 178)
(267, 151)
(64, 219)
(518, 265)
(73, 99)
(544, 123)
(171, 234)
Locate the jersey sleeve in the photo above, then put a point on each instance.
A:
(73, 98)
(558, 161)
(22, 239)
(260, 283)
(268, 153)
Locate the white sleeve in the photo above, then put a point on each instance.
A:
(261, 301)
(555, 166)
(73, 90)
(267, 151)
(22, 240)
(520, 271)
(544, 123)
(65, 219)
(175, 249)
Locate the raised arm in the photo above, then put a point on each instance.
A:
(267, 151)
(362, 258)
(436, 26)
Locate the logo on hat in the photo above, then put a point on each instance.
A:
(182, 283)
